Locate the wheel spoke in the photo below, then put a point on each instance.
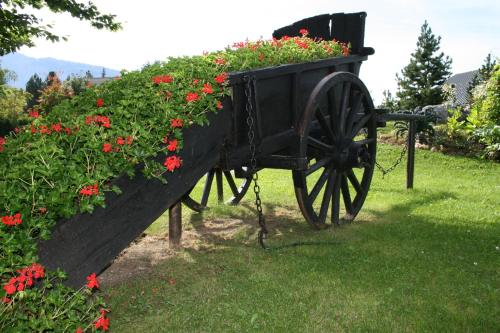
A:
(220, 190)
(324, 125)
(317, 165)
(347, 197)
(359, 125)
(207, 187)
(231, 183)
(318, 186)
(326, 196)
(336, 199)
(319, 144)
(354, 181)
(346, 93)
(356, 105)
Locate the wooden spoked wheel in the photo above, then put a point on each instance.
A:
(223, 179)
(338, 135)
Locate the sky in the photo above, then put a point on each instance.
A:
(155, 29)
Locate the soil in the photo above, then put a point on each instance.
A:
(148, 251)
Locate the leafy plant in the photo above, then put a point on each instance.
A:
(424, 129)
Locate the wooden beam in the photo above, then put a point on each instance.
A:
(175, 225)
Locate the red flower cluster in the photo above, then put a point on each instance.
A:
(172, 163)
(162, 79)
(24, 279)
(127, 141)
(192, 97)
(207, 88)
(102, 322)
(98, 120)
(345, 50)
(176, 123)
(220, 61)
(221, 78)
(34, 114)
(48, 130)
(90, 190)
(172, 145)
(2, 142)
(301, 43)
(92, 281)
(219, 105)
(304, 32)
(99, 102)
(107, 147)
(12, 220)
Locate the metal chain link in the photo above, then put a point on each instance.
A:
(398, 161)
(253, 160)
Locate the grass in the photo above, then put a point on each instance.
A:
(426, 259)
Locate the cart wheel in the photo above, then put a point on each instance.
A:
(338, 135)
(237, 192)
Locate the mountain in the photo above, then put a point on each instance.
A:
(25, 67)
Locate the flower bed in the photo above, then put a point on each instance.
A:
(61, 166)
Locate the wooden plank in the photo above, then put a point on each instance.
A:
(175, 225)
(87, 243)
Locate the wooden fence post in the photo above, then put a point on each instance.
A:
(410, 164)
(175, 225)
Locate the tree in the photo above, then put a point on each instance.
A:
(389, 102)
(421, 80)
(34, 86)
(483, 74)
(103, 73)
(19, 29)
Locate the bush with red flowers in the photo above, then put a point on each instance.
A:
(60, 165)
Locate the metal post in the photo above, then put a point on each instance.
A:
(175, 225)
(410, 165)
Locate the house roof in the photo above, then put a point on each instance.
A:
(461, 83)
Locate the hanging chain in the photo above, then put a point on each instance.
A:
(253, 160)
(394, 166)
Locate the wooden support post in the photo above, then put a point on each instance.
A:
(175, 225)
(410, 165)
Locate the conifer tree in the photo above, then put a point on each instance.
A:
(421, 80)
(34, 86)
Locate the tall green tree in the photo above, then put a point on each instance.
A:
(421, 80)
(34, 86)
(18, 28)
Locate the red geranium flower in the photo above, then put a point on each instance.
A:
(172, 145)
(156, 79)
(102, 322)
(12, 220)
(176, 123)
(220, 61)
(219, 105)
(79, 330)
(56, 127)
(68, 130)
(304, 32)
(6, 300)
(129, 140)
(191, 97)
(207, 88)
(172, 163)
(34, 114)
(120, 141)
(107, 147)
(100, 102)
(166, 79)
(221, 78)
(90, 190)
(92, 281)
(2, 142)
(10, 287)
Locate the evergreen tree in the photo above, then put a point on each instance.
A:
(88, 74)
(483, 74)
(421, 80)
(34, 86)
(389, 102)
(103, 73)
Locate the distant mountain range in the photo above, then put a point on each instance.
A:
(25, 67)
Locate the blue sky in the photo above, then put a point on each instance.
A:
(154, 30)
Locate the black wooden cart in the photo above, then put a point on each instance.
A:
(316, 119)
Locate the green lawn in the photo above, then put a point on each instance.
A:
(426, 259)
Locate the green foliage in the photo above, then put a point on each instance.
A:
(12, 104)
(482, 123)
(483, 75)
(421, 80)
(45, 169)
(389, 102)
(424, 130)
(19, 29)
(34, 86)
